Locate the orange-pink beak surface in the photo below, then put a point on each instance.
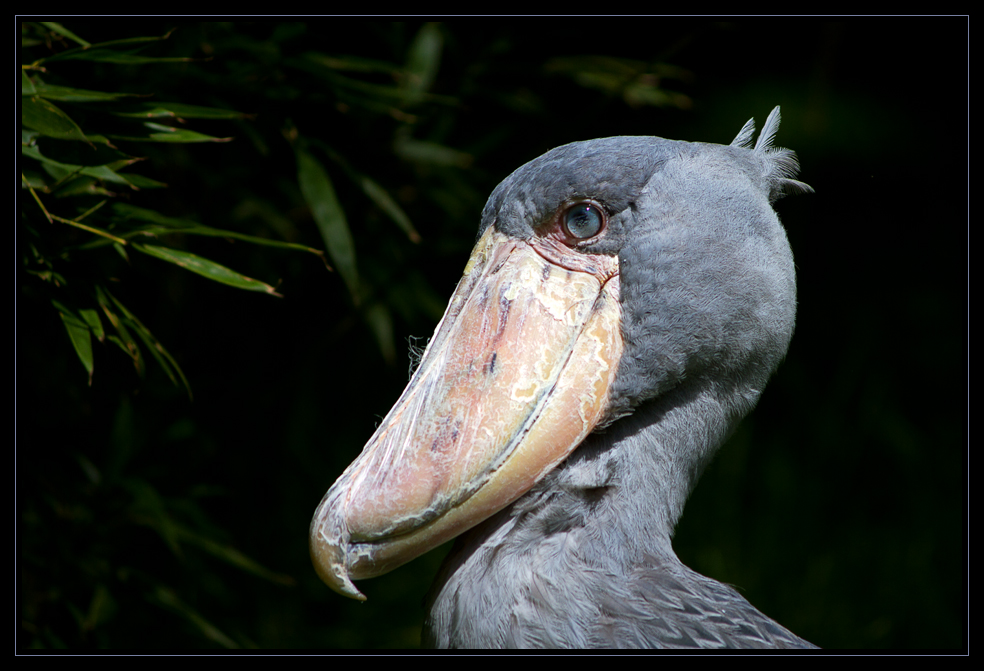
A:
(517, 374)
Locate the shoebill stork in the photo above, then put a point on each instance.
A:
(623, 308)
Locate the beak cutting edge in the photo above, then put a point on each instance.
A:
(516, 375)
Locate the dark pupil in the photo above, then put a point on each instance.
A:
(583, 221)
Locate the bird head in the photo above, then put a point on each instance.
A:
(606, 274)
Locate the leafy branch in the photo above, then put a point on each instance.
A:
(62, 191)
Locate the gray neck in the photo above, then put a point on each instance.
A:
(587, 526)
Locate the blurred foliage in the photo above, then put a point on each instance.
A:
(151, 522)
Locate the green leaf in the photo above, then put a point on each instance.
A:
(61, 30)
(330, 218)
(177, 110)
(161, 133)
(232, 556)
(423, 61)
(121, 250)
(315, 62)
(106, 172)
(27, 86)
(352, 63)
(92, 320)
(124, 339)
(419, 151)
(102, 608)
(47, 119)
(143, 182)
(189, 227)
(163, 357)
(376, 193)
(72, 94)
(386, 203)
(78, 333)
(169, 598)
(102, 55)
(205, 268)
(124, 41)
(147, 507)
(639, 83)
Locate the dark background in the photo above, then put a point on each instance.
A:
(838, 509)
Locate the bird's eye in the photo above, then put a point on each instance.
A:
(583, 220)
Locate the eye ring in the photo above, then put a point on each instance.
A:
(584, 219)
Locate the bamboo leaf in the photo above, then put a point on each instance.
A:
(147, 507)
(385, 202)
(352, 63)
(102, 55)
(329, 217)
(423, 61)
(169, 598)
(231, 556)
(72, 94)
(376, 193)
(124, 339)
(163, 357)
(161, 133)
(44, 117)
(92, 320)
(60, 170)
(189, 227)
(205, 268)
(420, 151)
(177, 110)
(78, 333)
(143, 182)
(116, 43)
(27, 86)
(62, 30)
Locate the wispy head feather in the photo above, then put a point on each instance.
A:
(745, 135)
(769, 131)
(781, 164)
